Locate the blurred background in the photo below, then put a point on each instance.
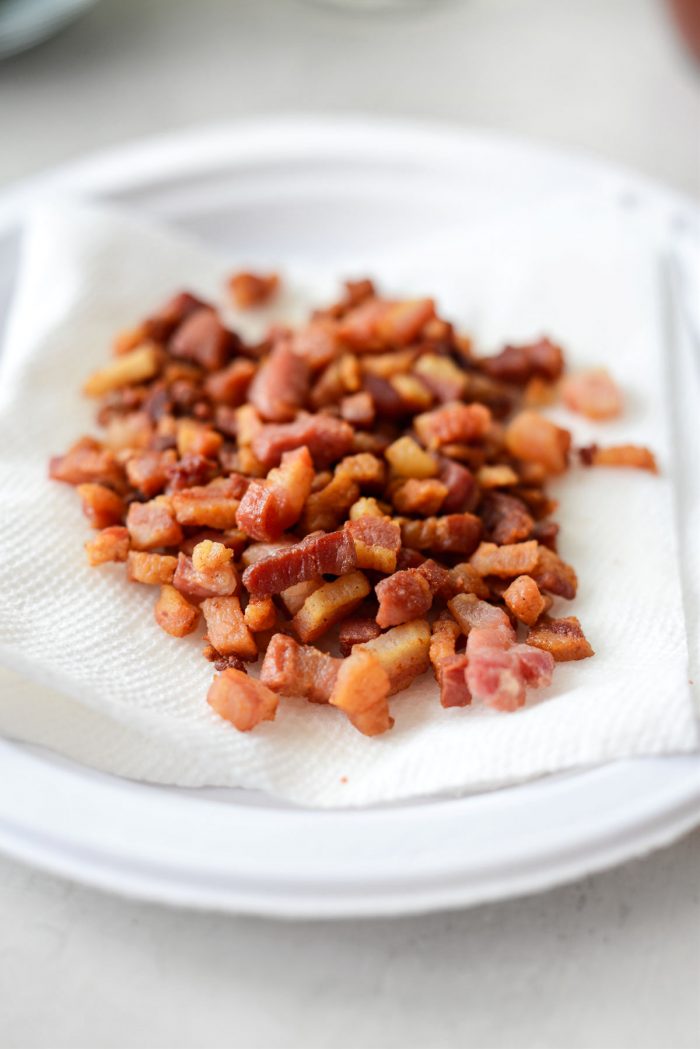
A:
(611, 961)
(607, 76)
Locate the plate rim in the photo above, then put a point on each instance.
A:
(613, 844)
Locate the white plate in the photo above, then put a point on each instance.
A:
(309, 191)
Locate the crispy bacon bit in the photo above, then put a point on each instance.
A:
(325, 554)
(453, 424)
(414, 395)
(461, 487)
(226, 628)
(138, 365)
(327, 439)
(449, 667)
(101, 505)
(213, 564)
(495, 678)
(386, 365)
(230, 385)
(249, 290)
(554, 575)
(202, 338)
(209, 506)
(87, 462)
(294, 596)
(539, 393)
(174, 613)
(634, 455)
(507, 561)
(356, 630)
(329, 604)
(131, 431)
(443, 642)
(535, 439)
(536, 666)
(242, 700)
(366, 507)
(316, 343)
(212, 580)
(194, 438)
(563, 638)
(402, 651)
(358, 409)
(260, 614)
(377, 541)
(152, 524)
(364, 468)
(281, 384)
(419, 497)
(442, 376)
(192, 471)
(269, 507)
(161, 324)
(223, 662)
(506, 519)
(299, 670)
(403, 322)
(361, 691)
(152, 569)
(147, 471)
(454, 691)
(453, 533)
(402, 596)
(408, 459)
(593, 393)
(524, 599)
(464, 579)
(519, 364)
(473, 614)
(499, 475)
(329, 507)
(110, 544)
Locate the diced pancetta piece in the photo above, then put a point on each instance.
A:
(453, 424)
(327, 439)
(328, 508)
(242, 700)
(506, 518)
(110, 544)
(408, 459)
(524, 600)
(627, 455)
(442, 376)
(226, 628)
(174, 613)
(518, 364)
(212, 581)
(534, 439)
(454, 691)
(593, 393)
(152, 524)
(102, 506)
(230, 385)
(249, 290)
(195, 438)
(327, 554)
(260, 614)
(281, 384)
(461, 487)
(87, 462)
(563, 638)
(358, 409)
(151, 569)
(419, 497)
(202, 338)
(149, 471)
(402, 596)
(474, 614)
(299, 670)
(330, 603)
(506, 561)
(554, 575)
(356, 630)
(451, 534)
(270, 507)
(362, 691)
(137, 366)
(402, 651)
(377, 541)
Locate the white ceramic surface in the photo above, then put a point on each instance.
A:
(301, 191)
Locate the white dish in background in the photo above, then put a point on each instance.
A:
(25, 23)
(308, 191)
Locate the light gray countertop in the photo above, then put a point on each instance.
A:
(613, 961)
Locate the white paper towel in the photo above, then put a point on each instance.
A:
(132, 699)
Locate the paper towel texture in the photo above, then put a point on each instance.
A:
(133, 698)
